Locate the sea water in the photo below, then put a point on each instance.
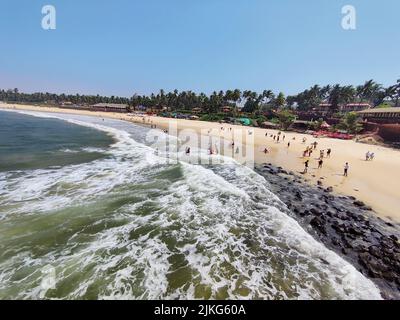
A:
(90, 199)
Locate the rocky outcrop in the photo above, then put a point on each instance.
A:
(344, 224)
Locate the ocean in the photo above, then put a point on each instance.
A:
(90, 210)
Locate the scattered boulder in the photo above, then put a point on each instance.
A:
(359, 203)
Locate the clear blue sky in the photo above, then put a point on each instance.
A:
(125, 46)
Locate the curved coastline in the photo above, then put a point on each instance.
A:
(378, 178)
(334, 265)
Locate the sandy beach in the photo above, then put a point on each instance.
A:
(376, 182)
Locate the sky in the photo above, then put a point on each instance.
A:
(123, 47)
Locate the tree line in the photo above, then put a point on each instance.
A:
(252, 102)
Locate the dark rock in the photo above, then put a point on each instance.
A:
(317, 223)
(359, 203)
(343, 224)
(374, 250)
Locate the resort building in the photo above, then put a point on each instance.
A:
(351, 107)
(227, 109)
(110, 107)
(197, 110)
(381, 115)
(325, 108)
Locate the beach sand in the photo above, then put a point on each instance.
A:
(376, 183)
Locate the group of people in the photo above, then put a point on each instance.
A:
(277, 137)
(309, 150)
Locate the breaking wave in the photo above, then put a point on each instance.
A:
(133, 226)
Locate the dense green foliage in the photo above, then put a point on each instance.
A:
(251, 102)
(285, 118)
(350, 123)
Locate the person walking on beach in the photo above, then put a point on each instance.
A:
(315, 145)
(266, 151)
(320, 163)
(346, 169)
(372, 156)
(328, 153)
(367, 156)
(288, 144)
(306, 166)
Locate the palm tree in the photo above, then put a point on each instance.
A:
(341, 95)
(280, 100)
(393, 92)
(371, 92)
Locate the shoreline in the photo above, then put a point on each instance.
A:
(373, 182)
(344, 225)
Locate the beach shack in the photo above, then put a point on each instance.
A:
(110, 107)
(381, 115)
(270, 125)
(227, 109)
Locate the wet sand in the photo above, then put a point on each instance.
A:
(374, 182)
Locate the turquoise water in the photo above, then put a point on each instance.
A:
(129, 224)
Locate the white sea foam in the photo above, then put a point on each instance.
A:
(220, 229)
